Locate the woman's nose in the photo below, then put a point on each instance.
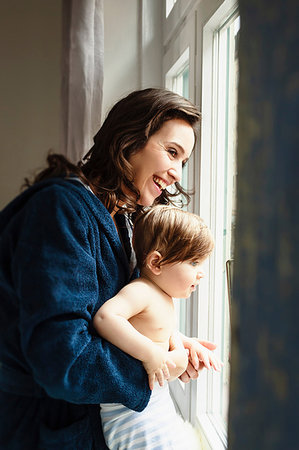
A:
(176, 172)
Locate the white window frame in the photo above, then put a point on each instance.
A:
(169, 6)
(179, 53)
(211, 312)
(190, 27)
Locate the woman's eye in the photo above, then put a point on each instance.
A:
(194, 263)
(172, 152)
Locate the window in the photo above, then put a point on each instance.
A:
(178, 67)
(177, 80)
(200, 62)
(218, 181)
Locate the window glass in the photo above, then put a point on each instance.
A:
(220, 183)
(178, 82)
(230, 36)
(200, 62)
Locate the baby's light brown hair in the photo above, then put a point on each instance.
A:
(177, 234)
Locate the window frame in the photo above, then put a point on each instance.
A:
(192, 25)
(209, 387)
(177, 54)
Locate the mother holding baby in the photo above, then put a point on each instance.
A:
(65, 249)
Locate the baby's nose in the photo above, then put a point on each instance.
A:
(200, 274)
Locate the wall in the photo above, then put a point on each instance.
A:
(30, 41)
(133, 47)
(120, 51)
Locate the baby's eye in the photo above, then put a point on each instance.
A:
(194, 263)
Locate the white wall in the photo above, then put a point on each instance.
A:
(30, 78)
(121, 73)
(30, 42)
(151, 43)
(133, 47)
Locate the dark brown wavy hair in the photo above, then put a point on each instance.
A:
(126, 129)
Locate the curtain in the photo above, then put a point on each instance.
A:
(82, 75)
(264, 399)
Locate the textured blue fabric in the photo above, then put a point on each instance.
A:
(60, 259)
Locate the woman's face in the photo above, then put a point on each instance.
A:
(159, 164)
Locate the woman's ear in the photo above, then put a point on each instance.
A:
(153, 262)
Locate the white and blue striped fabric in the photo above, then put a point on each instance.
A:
(157, 427)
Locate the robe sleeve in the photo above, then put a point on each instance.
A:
(54, 272)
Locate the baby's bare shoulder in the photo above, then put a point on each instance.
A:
(141, 286)
(138, 288)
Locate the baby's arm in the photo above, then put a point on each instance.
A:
(112, 322)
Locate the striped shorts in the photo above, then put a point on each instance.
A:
(157, 427)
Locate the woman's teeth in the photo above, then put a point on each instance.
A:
(162, 185)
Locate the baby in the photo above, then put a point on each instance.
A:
(171, 246)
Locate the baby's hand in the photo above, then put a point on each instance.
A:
(157, 367)
(200, 354)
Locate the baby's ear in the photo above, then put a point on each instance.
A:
(153, 262)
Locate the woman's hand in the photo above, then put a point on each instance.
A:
(200, 356)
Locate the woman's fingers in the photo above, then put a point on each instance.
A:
(185, 377)
(191, 371)
(194, 359)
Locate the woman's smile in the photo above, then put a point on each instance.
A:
(161, 183)
(159, 163)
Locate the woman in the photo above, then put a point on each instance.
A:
(65, 249)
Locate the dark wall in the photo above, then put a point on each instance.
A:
(265, 363)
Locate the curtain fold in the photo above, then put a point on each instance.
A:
(82, 75)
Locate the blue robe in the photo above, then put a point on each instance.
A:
(60, 259)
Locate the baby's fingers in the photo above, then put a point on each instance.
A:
(151, 380)
(160, 377)
(170, 364)
(166, 372)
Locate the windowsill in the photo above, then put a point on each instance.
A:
(212, 431)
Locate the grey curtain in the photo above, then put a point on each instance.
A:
(264, 400)
(82, 74)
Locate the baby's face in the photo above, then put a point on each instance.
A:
(180, 279)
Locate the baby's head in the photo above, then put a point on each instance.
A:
(176, 234)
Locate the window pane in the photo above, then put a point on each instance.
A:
(230, 35)
(221, 184)
(180, 85)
